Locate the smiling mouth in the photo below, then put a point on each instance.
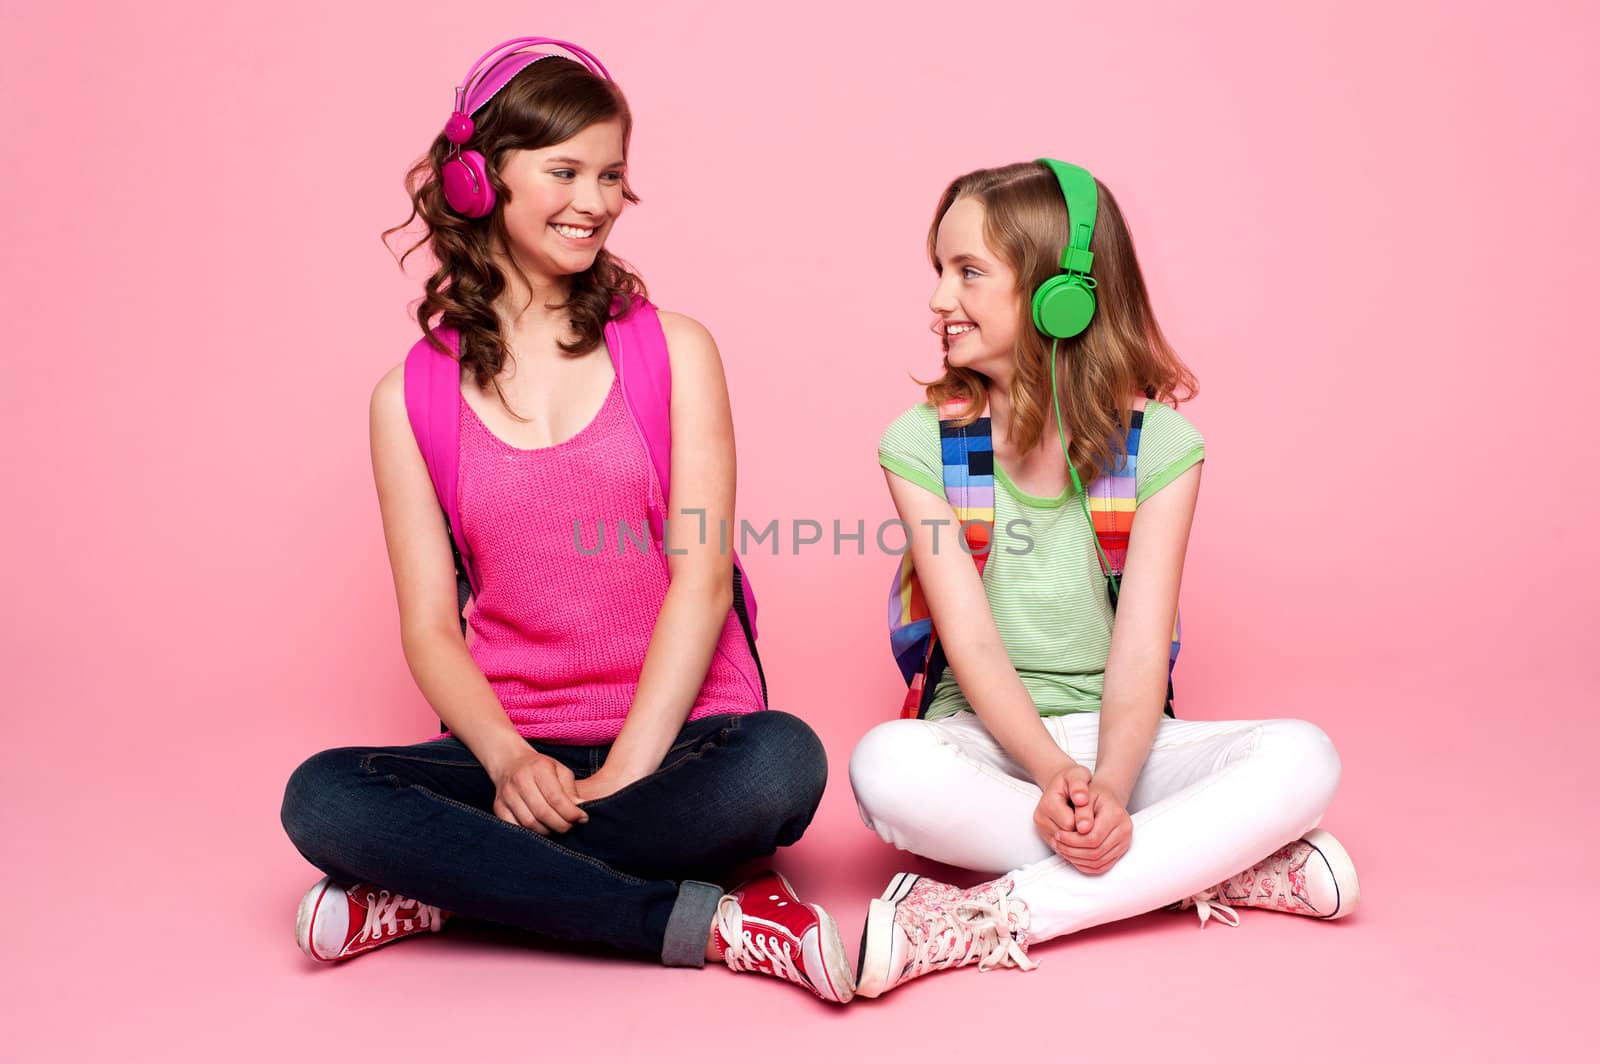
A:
(960, 328)
(572, 232)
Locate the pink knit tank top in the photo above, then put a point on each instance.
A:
(560, 634)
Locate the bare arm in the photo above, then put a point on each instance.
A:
(967, 631)
(699, 562)
(1147, 606)
(1135, 679)
(430, 625)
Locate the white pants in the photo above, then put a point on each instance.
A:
(1214, 798)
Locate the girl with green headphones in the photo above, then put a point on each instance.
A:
(1035, 747)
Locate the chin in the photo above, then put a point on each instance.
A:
(571, 263)
(973, 360)
(562, 266)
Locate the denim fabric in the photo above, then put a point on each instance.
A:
(418, 820)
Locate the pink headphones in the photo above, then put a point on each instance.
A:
(466, 181)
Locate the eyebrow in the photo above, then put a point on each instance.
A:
(957, 260)
(570, 161)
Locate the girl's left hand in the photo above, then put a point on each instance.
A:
(1108, 837)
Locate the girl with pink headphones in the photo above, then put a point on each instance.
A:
(552, 453)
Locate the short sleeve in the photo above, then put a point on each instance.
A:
(1168, 445)
(910, 448)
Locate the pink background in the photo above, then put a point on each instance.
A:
(1367, 226)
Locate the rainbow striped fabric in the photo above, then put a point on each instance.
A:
(968, 457)
(1112, 500)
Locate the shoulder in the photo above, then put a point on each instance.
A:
(914, 432)
(910, 448)
(389, 424)
(919, 422)
(389, 396)
(1164, 423)
(699, 387)
(1169, 444)
(689, 343)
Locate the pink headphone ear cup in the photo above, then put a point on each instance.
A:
(466, 185)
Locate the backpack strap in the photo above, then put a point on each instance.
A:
(639, 350)
(967, 457)
(1113, 497)
(433, 405)
(1113, 500)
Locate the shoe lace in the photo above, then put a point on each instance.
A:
(1206, 906)
(1273, 873)
(983, 926)
(746, 951)
(383, 911)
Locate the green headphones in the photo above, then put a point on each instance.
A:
(1064, 305)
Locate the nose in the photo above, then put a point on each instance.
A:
(588, 198)
(943, 300)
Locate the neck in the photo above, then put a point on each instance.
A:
(1000, 414)
(524, 306)
(999, 388)
(1000, 407)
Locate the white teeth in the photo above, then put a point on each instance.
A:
(574, 233)
(957, 330)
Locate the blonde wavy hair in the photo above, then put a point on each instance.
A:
(1122, 354)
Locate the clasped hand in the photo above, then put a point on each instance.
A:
(540, 793)
(1082, 821)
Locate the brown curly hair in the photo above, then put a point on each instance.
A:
(1121, 354)
(547, 102)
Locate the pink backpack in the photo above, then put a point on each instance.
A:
(639, 349)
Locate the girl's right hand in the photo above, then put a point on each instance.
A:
(1063, 804)
(537, 792)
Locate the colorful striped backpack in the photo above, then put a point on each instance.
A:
(638, 348)
(968, 459)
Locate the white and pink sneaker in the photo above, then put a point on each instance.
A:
(1312, 876)
(763, 926)
(337, 921)
(920, 926)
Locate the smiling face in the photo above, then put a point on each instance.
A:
(976, 299)
(563, 200)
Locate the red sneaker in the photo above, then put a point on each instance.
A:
(337, 921)
(764, 927)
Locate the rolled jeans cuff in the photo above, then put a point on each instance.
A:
(685, 943)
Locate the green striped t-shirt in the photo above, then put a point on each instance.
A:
(1043, 577)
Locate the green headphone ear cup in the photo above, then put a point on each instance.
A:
(1063, 306)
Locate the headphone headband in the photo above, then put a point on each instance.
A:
(502, 63)
(464, 173)
(1083, 204)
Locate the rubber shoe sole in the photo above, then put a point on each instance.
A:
(877, 938)
(1346, 886)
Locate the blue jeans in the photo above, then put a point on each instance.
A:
(418, 821)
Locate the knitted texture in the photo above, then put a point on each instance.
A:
(560, 634)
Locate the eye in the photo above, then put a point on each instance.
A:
(564, 174)
(612, 175)
(969, 273)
